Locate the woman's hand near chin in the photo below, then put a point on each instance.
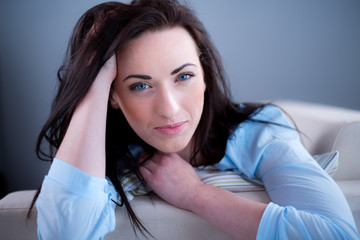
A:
(172, 178)
(175, 181)
(84, 143)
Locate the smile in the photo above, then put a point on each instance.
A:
(172, 129)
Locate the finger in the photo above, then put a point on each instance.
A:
(143, 157)
(158, 157)
(145, 173)
(150, 165)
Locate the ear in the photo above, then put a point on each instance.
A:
(114, 99)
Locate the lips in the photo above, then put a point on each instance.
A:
(171, 129)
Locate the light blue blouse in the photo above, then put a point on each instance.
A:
(305, 202)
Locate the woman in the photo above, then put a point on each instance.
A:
(142, 91)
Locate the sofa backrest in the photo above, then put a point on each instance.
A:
(328, 128)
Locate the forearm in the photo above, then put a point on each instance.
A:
(237, 216)
(84, 143)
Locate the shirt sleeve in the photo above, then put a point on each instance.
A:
(74, 205)
(306, 203)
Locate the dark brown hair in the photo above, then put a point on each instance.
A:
(99, 33)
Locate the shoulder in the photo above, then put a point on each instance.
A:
(272, 114)
(267, 123)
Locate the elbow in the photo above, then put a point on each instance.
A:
(337, 228)
(289, 223)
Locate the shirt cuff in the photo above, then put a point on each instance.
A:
(267, 226)
(76, 181)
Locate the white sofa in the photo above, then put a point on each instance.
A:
(327, 129)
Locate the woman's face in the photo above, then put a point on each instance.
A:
(160, 88)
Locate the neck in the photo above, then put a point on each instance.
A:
(186, 154)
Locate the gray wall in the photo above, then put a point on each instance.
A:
(304, 50)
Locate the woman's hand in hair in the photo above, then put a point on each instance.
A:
(172, 178)
(108, 72)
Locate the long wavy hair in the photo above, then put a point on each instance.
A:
(98, 34)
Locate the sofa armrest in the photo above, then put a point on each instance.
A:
(163, 220)
(13, 211)
(328, 128)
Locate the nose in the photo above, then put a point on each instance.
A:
(167, 103)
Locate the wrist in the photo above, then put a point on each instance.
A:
(197, 200)
(101, 86)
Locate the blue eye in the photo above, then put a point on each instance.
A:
(185, 76)
(139, 86)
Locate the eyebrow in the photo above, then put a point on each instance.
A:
(147, 77)
(181, 67)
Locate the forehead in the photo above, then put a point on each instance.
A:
(172, 46)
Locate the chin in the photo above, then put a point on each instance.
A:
(178, 145)
(171, 148)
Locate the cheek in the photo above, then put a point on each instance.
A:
(130, 108)
(134, 112)
(195, 101)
